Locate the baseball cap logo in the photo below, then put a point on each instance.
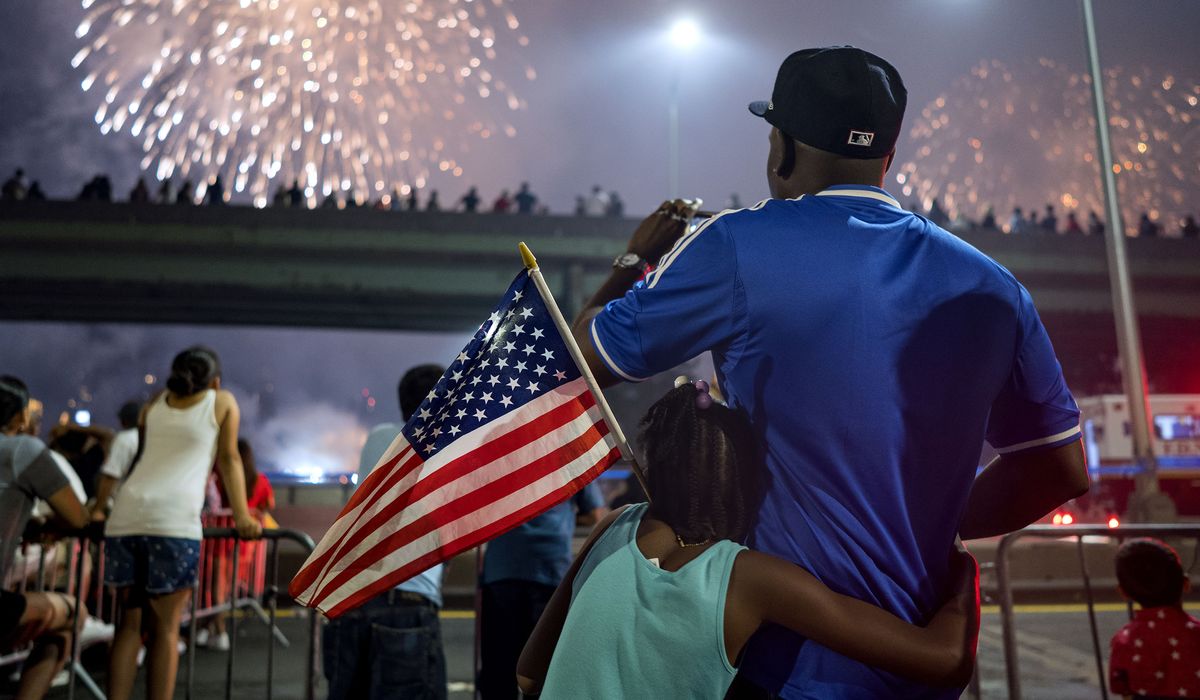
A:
(861, 138)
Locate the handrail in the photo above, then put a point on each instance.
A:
(1076, 532)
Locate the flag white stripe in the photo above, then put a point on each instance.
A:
(466, 443)
(346, 521)
(471, 522)
(460, 487)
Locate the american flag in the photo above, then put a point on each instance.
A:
(510, 430)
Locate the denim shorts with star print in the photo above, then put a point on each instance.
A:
(154, 565)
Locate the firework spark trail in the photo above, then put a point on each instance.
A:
(346, 95)
(1014, 136)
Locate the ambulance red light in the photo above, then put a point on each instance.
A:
(1067, 519)
(1113, 522)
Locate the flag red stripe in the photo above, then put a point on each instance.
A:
(313, 568)
(475, 537)
(467, 504)
(368, 486)
(479, 457)
(318, 568)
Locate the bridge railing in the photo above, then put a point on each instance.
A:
(1077, 533)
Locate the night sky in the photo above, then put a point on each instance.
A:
(596, 114)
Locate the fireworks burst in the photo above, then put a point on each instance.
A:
(347, 95)
(1008, 137)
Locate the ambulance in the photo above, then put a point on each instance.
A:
(1108, 440)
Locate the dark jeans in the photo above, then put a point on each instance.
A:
(510, 610)
(390, 647)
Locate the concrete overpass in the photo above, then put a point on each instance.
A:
(99, 262)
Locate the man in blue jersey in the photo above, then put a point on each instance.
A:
(873, 352)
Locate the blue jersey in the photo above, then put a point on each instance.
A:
(874, 353)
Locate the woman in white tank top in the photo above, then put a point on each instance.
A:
(153, 534)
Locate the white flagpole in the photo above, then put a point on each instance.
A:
(568, 337)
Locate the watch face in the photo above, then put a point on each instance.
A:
(628, 260)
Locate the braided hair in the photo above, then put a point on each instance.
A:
(702, 467)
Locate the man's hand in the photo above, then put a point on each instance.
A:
(658, 232)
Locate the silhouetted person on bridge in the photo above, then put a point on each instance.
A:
(1050, 221)
(412, 199)
(1073, 227)
(989, 219)
(1146, 227)
(1095, 227)
(433, 204)
(470, 201)
(216, 192)
(14, 188)
(140, 194)
(1188, 230)
(164, 192)
(187, 193)
(525, 200)
(502, 203)
(35, 193)
(295, 195)
(616, 206)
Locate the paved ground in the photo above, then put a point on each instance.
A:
(1056, 658)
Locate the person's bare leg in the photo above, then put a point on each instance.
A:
(48, 619)
(162, 659)
(48, 657)
(122, 662)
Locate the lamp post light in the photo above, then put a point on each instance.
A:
(1149, 503)
(684, 35)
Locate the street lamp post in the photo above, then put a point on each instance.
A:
(673, 135)
(684, 35)
(1149, 502)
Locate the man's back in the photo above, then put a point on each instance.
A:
(869, 348)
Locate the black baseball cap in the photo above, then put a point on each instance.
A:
(839, 99)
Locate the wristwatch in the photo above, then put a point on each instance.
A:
(631, 261)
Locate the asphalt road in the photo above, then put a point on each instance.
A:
(1056, 658)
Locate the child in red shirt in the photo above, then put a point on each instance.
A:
(1156, 655)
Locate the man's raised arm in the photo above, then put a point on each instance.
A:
(653, 238)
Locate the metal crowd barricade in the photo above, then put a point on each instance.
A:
(268, 555)
(247, 569)
(1078, 533)
(62, 566)
(214, 594)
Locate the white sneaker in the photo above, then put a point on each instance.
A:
(141, 657)
(219, 642)
(95, 631)
(61, 678)
(202, 637)
(181, 646)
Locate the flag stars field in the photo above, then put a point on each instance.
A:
(467, 479)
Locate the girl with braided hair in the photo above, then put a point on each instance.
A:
(662, 599)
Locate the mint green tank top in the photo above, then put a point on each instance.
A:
(637, 631)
